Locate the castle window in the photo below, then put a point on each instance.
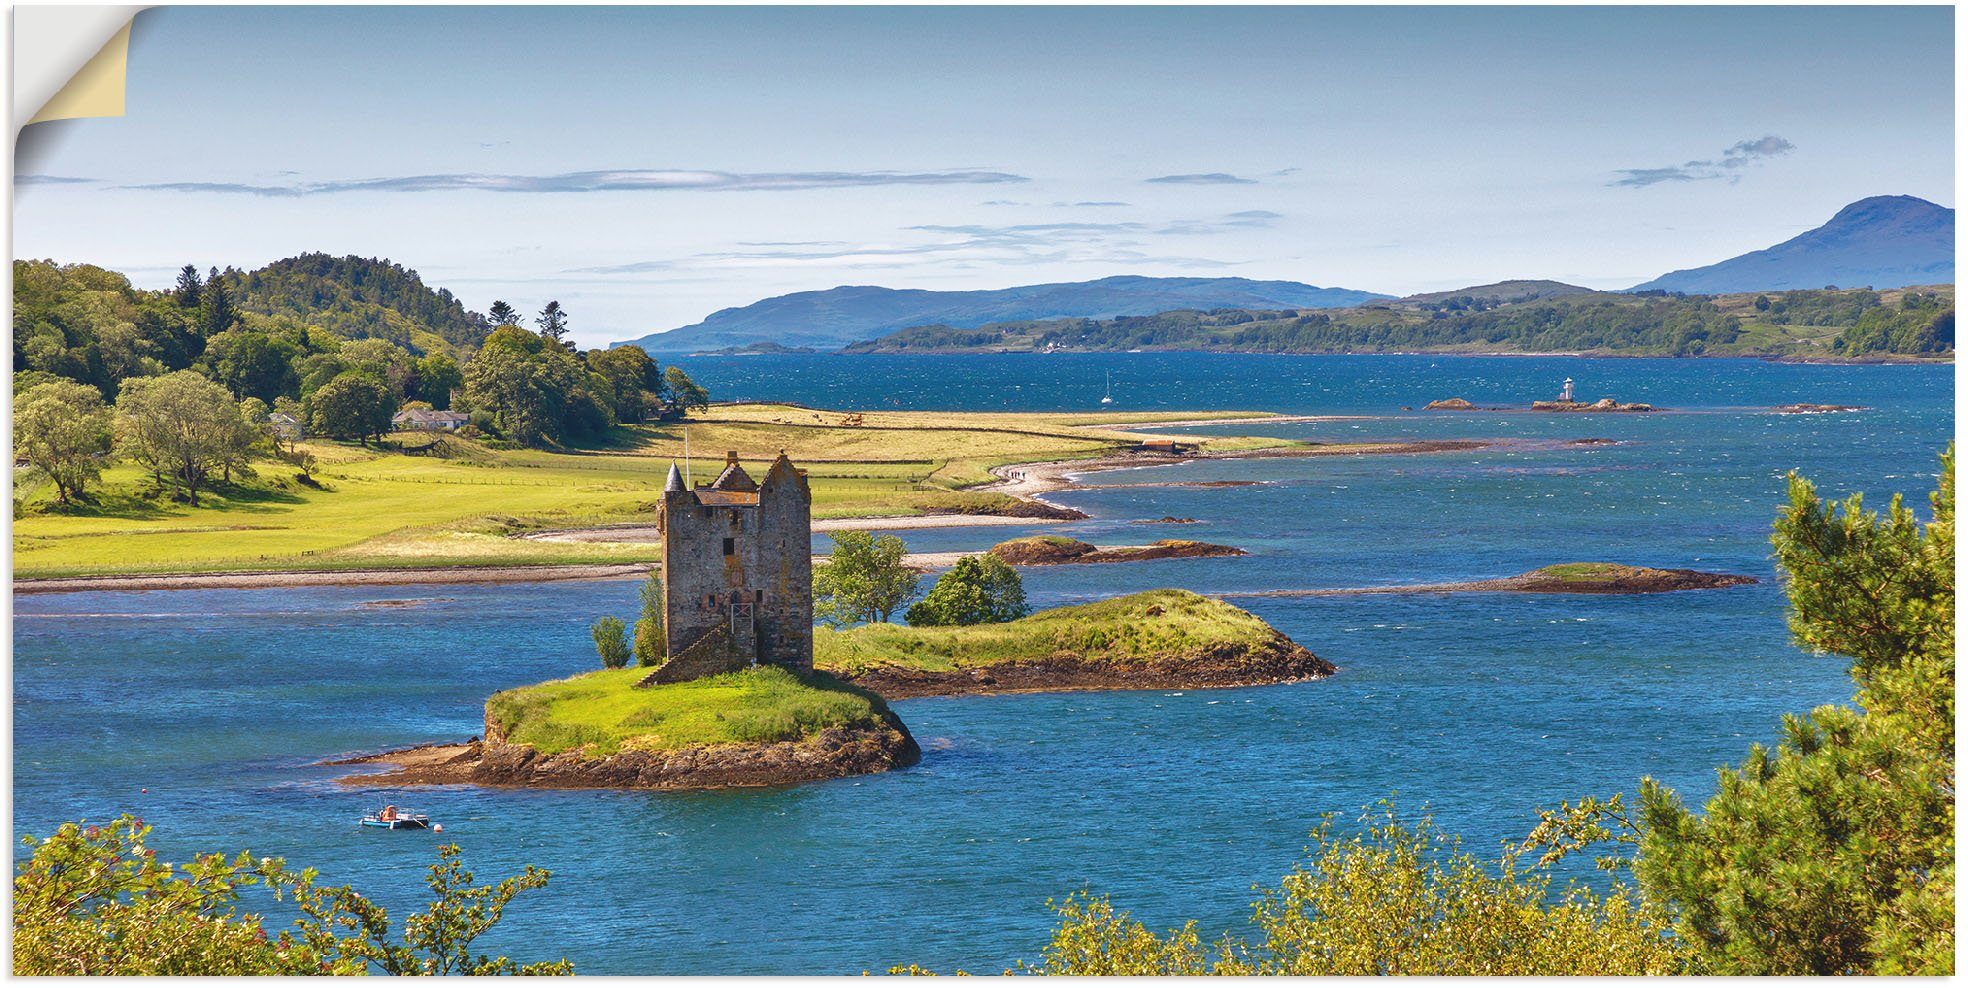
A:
(759, 595)
(730, 547)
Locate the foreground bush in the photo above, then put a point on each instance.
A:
(1391, 900)
(96, 901)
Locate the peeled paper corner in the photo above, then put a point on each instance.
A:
(70, 61)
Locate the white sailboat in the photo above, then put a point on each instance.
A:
(1108, 398)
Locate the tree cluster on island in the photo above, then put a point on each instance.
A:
(866, 581)
(229, 366)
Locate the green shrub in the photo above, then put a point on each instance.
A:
(650, 647)
(610, 642)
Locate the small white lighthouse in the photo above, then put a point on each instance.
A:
(1566, 395)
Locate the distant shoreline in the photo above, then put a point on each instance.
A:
(1774, 358)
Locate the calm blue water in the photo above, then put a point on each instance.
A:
(1480, 707)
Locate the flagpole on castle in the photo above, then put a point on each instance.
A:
(688, 484)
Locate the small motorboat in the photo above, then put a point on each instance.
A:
(391, 818)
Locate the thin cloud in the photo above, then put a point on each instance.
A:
(1205, 178)
(1092, 203)
(967, 246)
(51, 180)
(1728, 165)
(624, 180)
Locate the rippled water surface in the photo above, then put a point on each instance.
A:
(1481, 706)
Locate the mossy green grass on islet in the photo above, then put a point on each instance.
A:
(604, 712)
(1146, 626)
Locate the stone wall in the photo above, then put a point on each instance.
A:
(709, 655)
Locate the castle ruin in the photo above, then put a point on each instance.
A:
(737, 572)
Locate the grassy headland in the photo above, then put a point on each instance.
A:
(1149, 640)
(456, 502)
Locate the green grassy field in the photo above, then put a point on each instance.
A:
(458, 502)
(604, 711)
(1147, 625)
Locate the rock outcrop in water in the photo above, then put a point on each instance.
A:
(1602, 405)
(1805, 408)
(1590, 578)
(1053, 550)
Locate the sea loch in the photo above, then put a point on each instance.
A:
(1480, 707)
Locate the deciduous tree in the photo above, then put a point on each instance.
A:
(862, 580)
(980, 589)
(681, 394)
(352, 406)
(64, 429)
(182, 425)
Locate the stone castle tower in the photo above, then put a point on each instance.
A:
(737, 572)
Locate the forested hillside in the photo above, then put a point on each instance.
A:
(324, 346)
(1849, 324)
(358, 298)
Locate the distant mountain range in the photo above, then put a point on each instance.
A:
(1884, 242)
(835, 317)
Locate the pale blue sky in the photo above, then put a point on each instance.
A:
(649, 165)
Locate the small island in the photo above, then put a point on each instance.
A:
(1563, 578)
(764, 725)
(1054, 550)
(1157, 639)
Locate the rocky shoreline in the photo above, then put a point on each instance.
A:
(1275, 661)
(833, 753)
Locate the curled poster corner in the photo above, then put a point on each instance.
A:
(70, 61)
